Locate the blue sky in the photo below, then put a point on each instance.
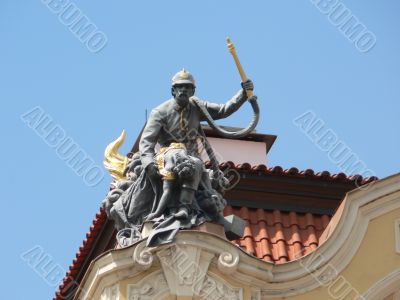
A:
(299, 61)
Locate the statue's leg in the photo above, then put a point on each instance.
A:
(205, 180)
(189, 188)
(185, 202)
(162, 204)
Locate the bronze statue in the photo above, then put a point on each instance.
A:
(177, 121)
(171, 186)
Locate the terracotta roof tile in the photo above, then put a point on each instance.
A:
(81, 255)
(277, 236)
(324, 175)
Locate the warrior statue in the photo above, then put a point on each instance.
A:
(166, 182)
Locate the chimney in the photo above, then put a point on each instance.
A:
(252, 149)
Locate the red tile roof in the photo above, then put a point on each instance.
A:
(276, 236)
(309, 173)
(273, 236)
(80, 257)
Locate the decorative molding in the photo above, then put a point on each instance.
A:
(110, 293)
(255, 294)
(185, 268)
(216, 288)
(151, 287)
(396, 295)
(142, 256)
(397, 235)
(384, 287)
(228, 262)
(321, 266)
(202, 251)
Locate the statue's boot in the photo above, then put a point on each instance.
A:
(183, 213)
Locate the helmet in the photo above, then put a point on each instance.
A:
(183, 77)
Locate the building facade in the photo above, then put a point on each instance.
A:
(307, 236)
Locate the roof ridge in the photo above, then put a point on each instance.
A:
(293, 171)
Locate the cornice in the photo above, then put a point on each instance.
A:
(384, 287)
(322, 265)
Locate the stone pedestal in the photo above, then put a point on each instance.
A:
(213, 228)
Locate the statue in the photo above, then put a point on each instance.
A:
(171, 187)
(176, 167)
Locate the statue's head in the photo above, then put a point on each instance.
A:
(183, 87)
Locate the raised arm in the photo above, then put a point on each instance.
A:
(220, 111)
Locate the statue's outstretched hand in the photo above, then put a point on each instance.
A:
(248, 85)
